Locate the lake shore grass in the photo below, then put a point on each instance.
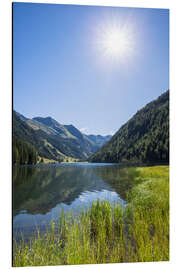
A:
(108, 233)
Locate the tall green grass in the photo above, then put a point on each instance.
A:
(108, 234)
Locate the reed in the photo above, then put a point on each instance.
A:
(108, 233)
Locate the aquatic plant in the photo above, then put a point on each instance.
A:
(108, 233)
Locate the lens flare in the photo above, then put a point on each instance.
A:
(115, 43)
(116, 40)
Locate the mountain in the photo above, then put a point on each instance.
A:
(22, 117)
(74, 131)
(53, 125)
(38, 139)
(52, 140)
(77, 144)
(144, 138)
(98, 139)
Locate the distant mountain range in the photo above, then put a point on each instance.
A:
(54, 141)
(144, 138)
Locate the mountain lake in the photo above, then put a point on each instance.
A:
(41, 191)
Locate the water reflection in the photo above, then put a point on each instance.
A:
(39, 192)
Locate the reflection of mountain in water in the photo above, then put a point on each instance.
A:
(39, 189)
(120, 179)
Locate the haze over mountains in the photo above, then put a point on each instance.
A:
(55, 141)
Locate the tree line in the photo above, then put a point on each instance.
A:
(23, 153)
(144, 138)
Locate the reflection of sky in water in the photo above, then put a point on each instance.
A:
(82, 202)
(28, 222)
(71, 187)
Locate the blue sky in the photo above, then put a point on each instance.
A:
(62, 68)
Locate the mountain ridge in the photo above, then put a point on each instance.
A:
(144, 138)
(53, 140)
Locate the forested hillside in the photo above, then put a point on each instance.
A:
(144, 138)
(24, 134)
(23, 153)
(50, 140)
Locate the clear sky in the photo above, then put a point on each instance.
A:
(92, 67)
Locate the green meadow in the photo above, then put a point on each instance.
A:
(105, 233)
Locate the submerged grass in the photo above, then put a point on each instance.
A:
(106, 233)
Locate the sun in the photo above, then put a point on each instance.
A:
(116, 41)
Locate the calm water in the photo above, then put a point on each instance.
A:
(39, 192)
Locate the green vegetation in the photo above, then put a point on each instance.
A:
(52, 140)
(104, 233)
(144, 138)
(98, 139)
(23, 153)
